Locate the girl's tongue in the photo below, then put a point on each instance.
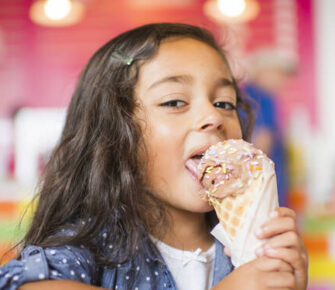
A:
(192, 165)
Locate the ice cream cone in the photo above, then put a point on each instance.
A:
(240, 183)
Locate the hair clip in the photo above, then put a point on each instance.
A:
(121, 56)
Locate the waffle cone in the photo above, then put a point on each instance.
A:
(232, 210)
(241, 214)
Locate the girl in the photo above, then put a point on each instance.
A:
(119, 206)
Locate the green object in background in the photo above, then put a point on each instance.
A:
(314, 224)
(11, 231)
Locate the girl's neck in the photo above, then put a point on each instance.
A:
(187, 231)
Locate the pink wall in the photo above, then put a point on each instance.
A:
(39, 66)
(302, 90)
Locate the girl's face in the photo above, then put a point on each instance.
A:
(188, 103)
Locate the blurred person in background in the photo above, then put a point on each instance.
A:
(269, 71)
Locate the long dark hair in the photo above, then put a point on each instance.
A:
(94, 181)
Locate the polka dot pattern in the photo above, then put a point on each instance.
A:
(145, 270)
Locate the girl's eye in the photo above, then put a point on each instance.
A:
(173, 103)
(225, 105)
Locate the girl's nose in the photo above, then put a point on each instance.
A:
(211, 118)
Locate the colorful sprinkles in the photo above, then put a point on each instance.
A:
(229, 166)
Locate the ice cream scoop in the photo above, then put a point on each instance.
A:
(228, 167)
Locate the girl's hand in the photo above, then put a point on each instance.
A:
(260, 274)
(285, 243)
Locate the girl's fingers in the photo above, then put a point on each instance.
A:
(289, 239)
(276, 226)
(268, 265)
(280, 212)
(282, 280)
(298, 259)
(283, 212)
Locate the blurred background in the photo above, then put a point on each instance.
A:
(282, 51)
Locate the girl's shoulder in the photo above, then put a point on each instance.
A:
(54, 263)
(69, 262)
(78, 264)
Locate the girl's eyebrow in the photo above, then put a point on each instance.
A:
(172, 79)
(224, 82)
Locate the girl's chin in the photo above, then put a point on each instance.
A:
(194, 203)
(207, 208)
(203, 206)
(199, 198)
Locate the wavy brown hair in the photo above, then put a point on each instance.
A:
(94, 181)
